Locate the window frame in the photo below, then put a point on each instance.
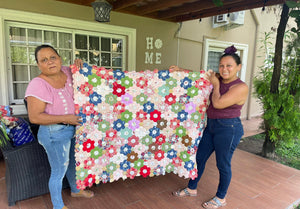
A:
(216, 45)
(7, 15)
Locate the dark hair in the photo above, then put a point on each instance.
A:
(38, 48)
(230, 51)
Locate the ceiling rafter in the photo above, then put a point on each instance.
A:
(121, 4)
(191, 7)
(179, 10)
(244, 5)
(160, 5)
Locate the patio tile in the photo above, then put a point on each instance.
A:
(257, 183)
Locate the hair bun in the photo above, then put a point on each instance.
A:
(230, 50)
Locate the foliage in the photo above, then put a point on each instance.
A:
(218, 3)
(289, 154)
(281, 110)
(4, 139)
(285, 153)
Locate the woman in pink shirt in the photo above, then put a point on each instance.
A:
(50, 103)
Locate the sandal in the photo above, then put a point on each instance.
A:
(83, 193)
(213, 203)
(184, 194)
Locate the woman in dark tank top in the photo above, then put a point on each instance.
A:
(224, 128)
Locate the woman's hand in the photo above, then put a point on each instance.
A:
(72, 119)
(212, 77)
(175, 68)
(78, 63)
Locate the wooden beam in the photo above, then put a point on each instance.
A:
(192, 7)
(159, 6)
(79, 2)
(121, 4)
(245, 5)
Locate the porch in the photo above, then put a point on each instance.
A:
(257, 183)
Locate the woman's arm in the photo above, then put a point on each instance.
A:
(176, 68)
(237, 94)
(37, 115)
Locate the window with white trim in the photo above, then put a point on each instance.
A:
(94, 48)
(214, 50)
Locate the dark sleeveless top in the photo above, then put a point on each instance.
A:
(229, 112)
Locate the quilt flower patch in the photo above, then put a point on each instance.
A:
(137, 123)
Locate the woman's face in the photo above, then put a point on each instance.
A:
(228, 69)
(48, 61)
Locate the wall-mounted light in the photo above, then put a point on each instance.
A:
(102, 10)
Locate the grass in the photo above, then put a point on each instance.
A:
(285, 153)
(289, 154)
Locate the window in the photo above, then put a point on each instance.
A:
(94, 48)
(213, 51)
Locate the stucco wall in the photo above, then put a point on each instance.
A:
(181, 44)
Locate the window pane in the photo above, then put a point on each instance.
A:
(117, 60)
(19, 90)
(17, 35)
(50, 38)
(82, 55)
(66, 57)
(94, 58)
(94, 43)
(105, 44)
(31, 55)
(34, 72)
(213, 60)
(18, 54)
(65, 40)
(19, 73)
(105, 59)
(116, 45)
(34, 37)
(80, 41)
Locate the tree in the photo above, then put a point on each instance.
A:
(278, 90)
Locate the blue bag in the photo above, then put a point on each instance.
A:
(21, 133)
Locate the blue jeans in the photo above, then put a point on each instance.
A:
(59, 143)
(221, 136)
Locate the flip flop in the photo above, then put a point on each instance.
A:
(184, 194)
(83, 193)
(213, 204)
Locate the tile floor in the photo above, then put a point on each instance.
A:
(257, 183)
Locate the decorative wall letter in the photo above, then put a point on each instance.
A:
(149, 46)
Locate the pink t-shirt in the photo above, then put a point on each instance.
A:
(59, 101)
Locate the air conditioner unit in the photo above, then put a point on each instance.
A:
(234, 20)
(220, 20)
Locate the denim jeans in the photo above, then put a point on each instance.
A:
(221, 136)
(59, 143)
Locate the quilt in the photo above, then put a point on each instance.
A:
(137, 123)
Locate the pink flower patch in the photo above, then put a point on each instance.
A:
(111, 151)
(133, 141)
(131, 173)
(111, 134)
(159, 155)
(86, 89)
(176, 161)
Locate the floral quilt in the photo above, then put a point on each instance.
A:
(137, 123)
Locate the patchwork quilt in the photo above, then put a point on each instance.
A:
(137, 123)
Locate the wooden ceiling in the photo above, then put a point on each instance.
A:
(180, 10)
